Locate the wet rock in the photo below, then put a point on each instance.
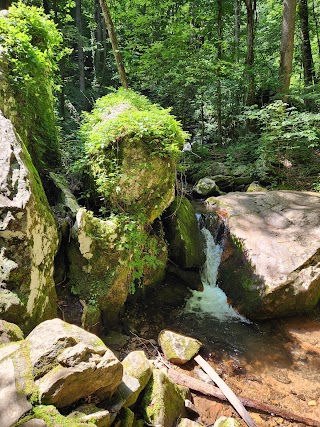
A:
(28, 234)
(163, 401)
(9, 332)
(271, 263)
(206, 187)
(183, 234)
(70, 363)
(178, 348)
(16, 383)
(226, 422)
(185, 422)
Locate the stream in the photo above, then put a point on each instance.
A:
(268, 360)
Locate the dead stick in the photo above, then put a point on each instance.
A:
(226, 390)
(212, 391)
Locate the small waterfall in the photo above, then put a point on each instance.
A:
(212, 300)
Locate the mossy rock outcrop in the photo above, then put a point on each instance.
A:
(99, 269)
(132, 147)
(163, 401)
(28, 237)
(107, 260)
(30, 39)
(183, 234)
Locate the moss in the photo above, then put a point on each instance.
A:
(132, 147)
(12, 330)
(183, 235)
(26, 92)
(126, 417)
(24, 374)
(163, 401)
(239, 281)
(52, 417)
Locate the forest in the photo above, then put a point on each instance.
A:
(159, 198)
(241, 76)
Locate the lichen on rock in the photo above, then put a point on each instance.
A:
(163, 401)
(28, 234)
(178, 348)
(183, 234)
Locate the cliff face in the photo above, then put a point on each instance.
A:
(28, 237)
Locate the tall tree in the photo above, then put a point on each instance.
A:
(307, 60)
(236, 28)
(80, 47)
(114, 43)
(287, 46)
(251, 10)
(219, 49)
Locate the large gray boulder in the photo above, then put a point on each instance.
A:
(70, 363)
(271, 264)
(28, 236)
(16, 383)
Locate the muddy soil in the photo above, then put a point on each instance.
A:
(285, 371)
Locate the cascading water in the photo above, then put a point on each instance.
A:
(212, 300)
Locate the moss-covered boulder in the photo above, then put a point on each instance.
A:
(107, 260)
(271, 264)
(178, 348)
(99, 269)
(30, 44)
(163, 401)
(183, 234)
(9, 332)
(28, 237)
(206, 187)
(132, 147)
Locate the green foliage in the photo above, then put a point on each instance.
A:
(143, 251)
(126, 116)
(287, 136)
(31, 48)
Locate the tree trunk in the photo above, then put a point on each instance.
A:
(316, 24)
(219, 49)
(307, 61)
(251, 8)
(80, 47)
(114, 43)
(236, 28)
(287, 46)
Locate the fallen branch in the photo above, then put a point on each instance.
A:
(212, 391)
(226, 390)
